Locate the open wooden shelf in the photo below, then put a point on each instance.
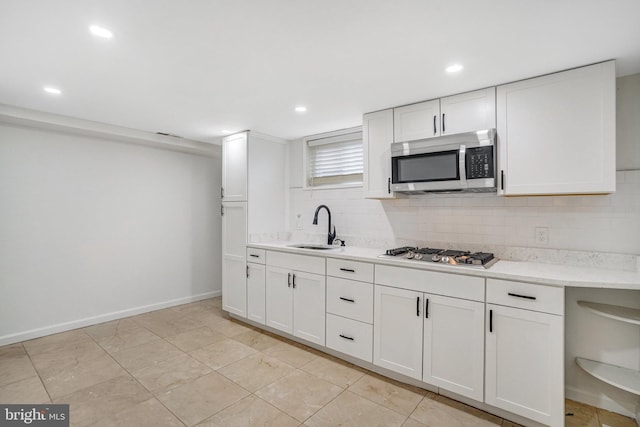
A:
(623, 378)
(617, 312)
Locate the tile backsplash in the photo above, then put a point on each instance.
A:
(582, 230)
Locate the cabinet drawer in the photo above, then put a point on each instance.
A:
(354, 270)
(256, 255)
(310, 264)
(351, 299)
(450, 285)
(350, 337)
(546, 299)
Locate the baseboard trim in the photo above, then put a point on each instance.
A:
(88, 321)
(601, 401)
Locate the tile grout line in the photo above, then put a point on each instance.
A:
(132, 376)
(33, 365)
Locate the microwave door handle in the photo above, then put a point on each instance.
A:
(461, 166)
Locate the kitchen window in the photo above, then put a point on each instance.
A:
(334, 158)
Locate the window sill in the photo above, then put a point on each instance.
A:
(333, 186)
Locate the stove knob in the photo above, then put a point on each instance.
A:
(436, 258)
(409, 255)
(418, 256)
(445, 259)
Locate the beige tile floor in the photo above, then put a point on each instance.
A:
(191, 365)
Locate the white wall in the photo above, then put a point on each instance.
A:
(628, 122)
(93, 229)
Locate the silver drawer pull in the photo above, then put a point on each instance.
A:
(521, 296)
(347, 338)
(348, 270)
(347, 299)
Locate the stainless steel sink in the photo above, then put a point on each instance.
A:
(316, 246)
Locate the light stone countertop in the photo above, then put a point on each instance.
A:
(540, 273)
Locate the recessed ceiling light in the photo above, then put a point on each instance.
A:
(301, 109)
(100, 32)
(52, 90)
(454, 68)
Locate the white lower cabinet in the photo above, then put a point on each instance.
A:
(295, 300)
(397, 330)
(279, 299)
(525, 363)
(430, 326)
(350, 336)
(256, 292)
(453, 345)
(309, 306)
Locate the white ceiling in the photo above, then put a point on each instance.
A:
(193, 68)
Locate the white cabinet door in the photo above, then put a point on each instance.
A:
(309, 306)
(557, 132)
(397, 330)
(234, 168)
(234, 236)
(377, 134)
(416, 121)
(256, 292)
(468, 112)
(279, 298)
(454, 345)
(525, 363)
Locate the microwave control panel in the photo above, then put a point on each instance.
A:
(479, 162)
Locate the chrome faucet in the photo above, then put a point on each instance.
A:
(330, 236)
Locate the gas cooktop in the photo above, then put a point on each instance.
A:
(442, 256)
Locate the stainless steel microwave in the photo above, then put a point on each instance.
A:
(461, 162)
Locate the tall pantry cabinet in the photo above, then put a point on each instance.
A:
(253, 206)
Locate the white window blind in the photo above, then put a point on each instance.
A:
(335, 159)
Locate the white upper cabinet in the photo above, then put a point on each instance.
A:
(465, 112)
(253, 170)
(468, 112)
(376, 144)
(234, 168)
(416, 121)
(556, 133)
